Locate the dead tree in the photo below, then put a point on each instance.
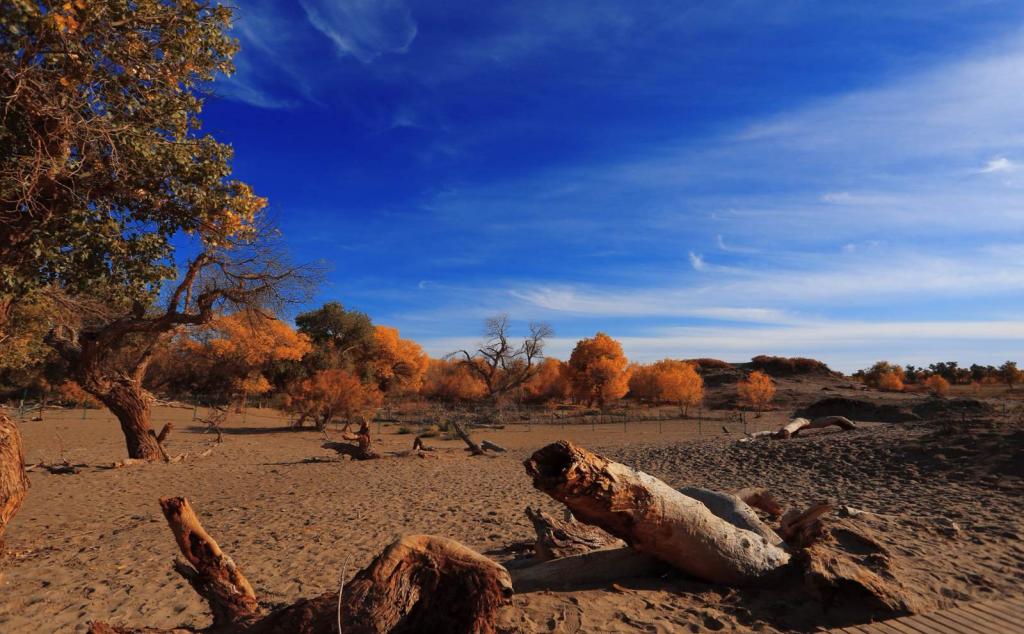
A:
(797, 425)
(652, 517)
(363, 447)
(557, 539)
(473, 447)
(502, 365)
(419, 583)
(13, 479)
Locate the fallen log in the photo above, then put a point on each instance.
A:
(594, 569)
(474, 448)
(419, 583)
(732, 509)
(361, 450)
(652, 517)
(797, 425)
(760, 498)
(13, 479)
(557, 539)
(490, 446)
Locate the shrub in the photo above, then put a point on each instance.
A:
(938, 385)
(710, 364)
(892, 382)
(788, 366)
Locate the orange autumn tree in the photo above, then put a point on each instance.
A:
(331, 394)
(548, 385)
(757, 390)
(397, 365)
(885, 376)
(450, 380)
(937, 385)
(669, 381)
(598, 370)
(234, 349)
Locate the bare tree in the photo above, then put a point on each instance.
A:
(502, 365)
(109, 355)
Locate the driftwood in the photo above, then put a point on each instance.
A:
(490, 446)
(557, 539)
(13, 480)
(760, 498)
(419, 445)
(474, 448)
(593, 569)
(734, 510)
(419, 583)
(797, 425)
(361, 450)
(652, 517)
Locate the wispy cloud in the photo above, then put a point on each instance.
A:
(364, 29)
(697, 262)
(999, 164)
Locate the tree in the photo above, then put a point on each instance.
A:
(548, 385)
(598, 370)
(937, 385)
(668, 380)
(502, 365)
(331, 394)
(235, 349)
(1010, 374)
(891, 381)
(104, 173)
(885, 376)
(450, 380)
(757, 390)
(396, 364)
(339, 335)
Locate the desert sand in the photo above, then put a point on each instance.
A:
(943, 494)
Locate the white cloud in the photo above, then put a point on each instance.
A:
(999, 164)
(697, 261)
(364, 29)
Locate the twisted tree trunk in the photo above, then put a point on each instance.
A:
(652, 517)
(13, 480)
(130, 404)
(419, 583)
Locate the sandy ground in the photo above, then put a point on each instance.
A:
(94, 545)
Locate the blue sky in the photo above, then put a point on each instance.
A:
(725, 178)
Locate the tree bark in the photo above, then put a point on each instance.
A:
(557, 539)
(732, 509)
(129, 403)
(13, 479)
(419, 583)
(652, 517)
(797, 425)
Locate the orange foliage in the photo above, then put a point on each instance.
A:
(598, 370)
(396, 364)
(451, 380)
(938, 385)
(893, 381)
(548, 384)
(71, 394)
(667, 381)
(329, 394)
(757, 390)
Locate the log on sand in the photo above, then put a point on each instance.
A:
(13, 479)
(733, 510)
(420, 583)
(593, 569)
(474, 448)
(557, 538)
(797, 425)
(652, 517)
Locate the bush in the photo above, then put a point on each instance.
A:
(938, 385)
(710, 364)
(788, 366)
(891, 382)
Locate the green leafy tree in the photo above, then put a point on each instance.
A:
(103, 171)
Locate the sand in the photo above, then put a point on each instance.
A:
(94, 545)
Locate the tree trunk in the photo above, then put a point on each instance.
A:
(474, 448)
(795, 426)
(652, 517)
(13, 480)
(594, 569)
(557, 539)
(129, 403)
(420, 583)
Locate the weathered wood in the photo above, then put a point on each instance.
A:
(474, 448)
(13, 479)
(419, 583)
(652, 517)
(760, 498)
(593, 569)
(557, 538)
(733, 510)
(490, 446)
(361, 450)
(162, 436)
(210, 572)
(797, 425)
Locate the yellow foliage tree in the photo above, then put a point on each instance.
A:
(396, 364)
(891, 381)
(937, 385)
(451, 380)
(331, 394)
(548, 384)
(757, 390)
(668, 380)
(598, 370)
